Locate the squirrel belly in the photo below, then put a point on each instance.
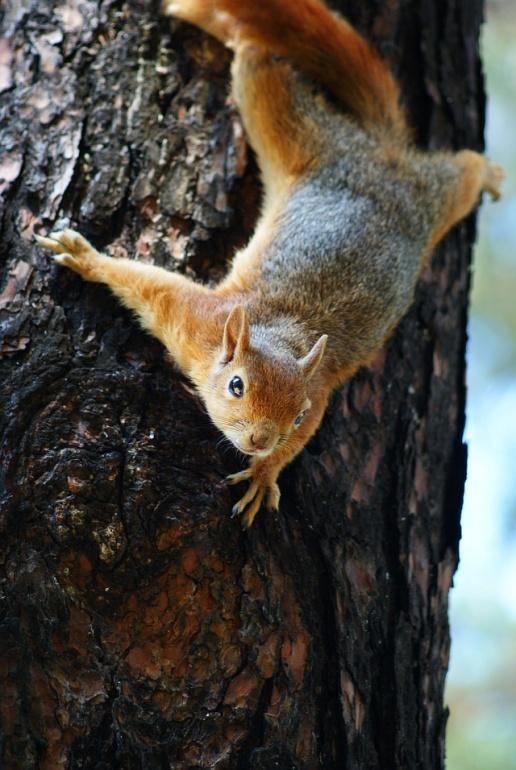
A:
(350, 212)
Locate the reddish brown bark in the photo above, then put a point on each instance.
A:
(140, 627)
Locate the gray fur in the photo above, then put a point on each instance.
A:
(361, 203)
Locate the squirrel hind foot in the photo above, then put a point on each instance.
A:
(493, 181)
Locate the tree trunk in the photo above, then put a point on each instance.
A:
(140, 626)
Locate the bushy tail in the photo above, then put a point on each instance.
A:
(326, 47)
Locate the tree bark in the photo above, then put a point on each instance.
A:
(141, 628)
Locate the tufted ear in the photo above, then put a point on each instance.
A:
(311, 361)
(236, 334)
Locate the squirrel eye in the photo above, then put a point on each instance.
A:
(299, 419)
(236, 387)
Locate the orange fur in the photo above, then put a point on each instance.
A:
(277, 130)
(476, 175)
(265, 471)
(246, 263)
(344, 62)
(269, 335)
(162, 300)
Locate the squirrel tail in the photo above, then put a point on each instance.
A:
(327, 47)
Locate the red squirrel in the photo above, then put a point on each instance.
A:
(351, 210)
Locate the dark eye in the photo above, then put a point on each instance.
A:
(236, 387)
(299, 419)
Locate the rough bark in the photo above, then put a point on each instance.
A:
(140, 627)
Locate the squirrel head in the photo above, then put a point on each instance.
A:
(257, 396)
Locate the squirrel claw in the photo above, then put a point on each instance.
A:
(71, 250)
(237, 478)
(250, 513)
(253, 499)
(235, 511)
(252, 493)
(252, 510)
(273, 498)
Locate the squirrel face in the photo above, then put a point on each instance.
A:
(258, 397)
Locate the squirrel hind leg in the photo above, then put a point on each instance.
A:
(278, 112)
(474, 174)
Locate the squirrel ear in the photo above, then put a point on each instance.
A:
(236, 334)
(311, 361)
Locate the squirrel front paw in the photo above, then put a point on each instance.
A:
(73, 251)
(262, 486)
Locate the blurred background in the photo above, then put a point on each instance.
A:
(481, 691)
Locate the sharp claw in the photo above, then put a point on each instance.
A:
(260, 492)
(53, 242)
(46, 242)
(237, 478)
(252, 510)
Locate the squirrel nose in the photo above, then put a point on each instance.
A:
(258, 440)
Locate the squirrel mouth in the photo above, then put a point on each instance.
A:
(255, 452)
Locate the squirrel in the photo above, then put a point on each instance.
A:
(351, 210)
